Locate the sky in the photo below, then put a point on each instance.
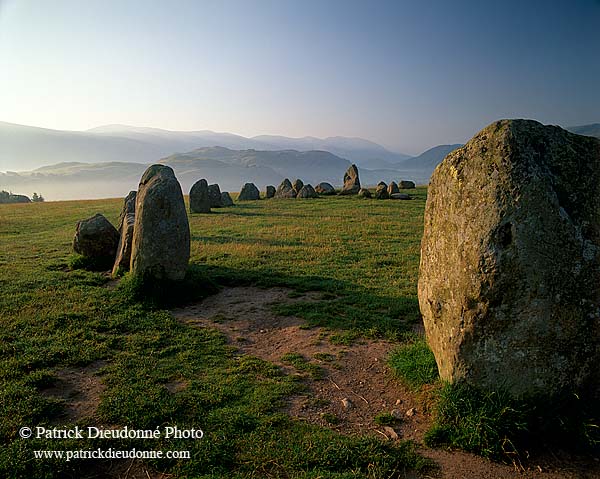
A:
(406, 74)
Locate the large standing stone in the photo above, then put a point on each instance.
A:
(325, 189)
(214, 196)
(285, 190)
(96, 237)
(509, 283)
(123, 257)
(307, 191)
(249, 193)
(351, 181)
(199, 202)
(297, 185)
(407, 185)
(270, 192)
(392, 188)
(161, 236)
(226, 199)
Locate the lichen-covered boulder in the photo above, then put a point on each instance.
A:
(351, 181)
(509, 283)
(325, 189)
(392, 188)
(96, 238)
(307, 191)
(214, 196)
(199, 202)
(226, 199)
(364, 193)
(249, 193)
(161, 234)
(407, 185)
(381, 192)
(285, 190)
(270, 191)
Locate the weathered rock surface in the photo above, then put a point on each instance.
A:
(399, 196)
(214, 196)
(270, 191)
(199, 201)
(96, 237)
(392, 188)
(307, 191)
(285, 190)
(128, 207)
(407, 185)
(297, 185)
(509, 283)
(249, 193)
(226, 199)
(351, 181)
(325, 189)
(381, 192)
(161, 236)
(364, 193)
(123, 257)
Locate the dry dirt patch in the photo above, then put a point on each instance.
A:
(79, 389)
(356, 384)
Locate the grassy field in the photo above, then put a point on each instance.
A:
(361, 254)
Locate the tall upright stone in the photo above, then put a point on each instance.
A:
(126, 224)
(297, 185)
(392, 188)
(351, 182)
(249, 192)
(226, 199)
(270, 191)
(199, 201)
(128, 207)
(214, 196)
(161, 237)
(285, 190)
(509, 283)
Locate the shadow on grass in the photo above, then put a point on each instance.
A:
(244, 240)
(344, 306)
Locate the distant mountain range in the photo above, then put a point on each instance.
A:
(108, 161)
(26, 147)
(587, 130)
(229, 168)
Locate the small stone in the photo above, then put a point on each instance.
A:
(347, 403)
(411, 412)
(396, 413)
(325, 188)
(389, 431)
(398, 402)
(400, 196)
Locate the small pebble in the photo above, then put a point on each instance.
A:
(411, 412)
(346, 403)
(390, 432)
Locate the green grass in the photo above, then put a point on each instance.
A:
(414, 363)
(385, 419)
(304, 365)
(363, 256)
(495, 425)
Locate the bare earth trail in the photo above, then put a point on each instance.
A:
(356, 384)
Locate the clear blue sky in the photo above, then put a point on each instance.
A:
(407, 74)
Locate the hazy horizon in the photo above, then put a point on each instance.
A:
(405, 75)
